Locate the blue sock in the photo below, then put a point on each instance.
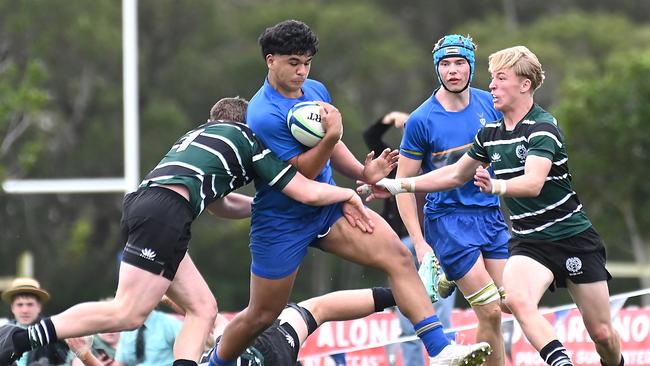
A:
(216, 361)
(432, 335)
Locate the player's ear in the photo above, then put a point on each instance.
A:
(269, 60)
(525, 85)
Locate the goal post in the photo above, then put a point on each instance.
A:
(129, 182)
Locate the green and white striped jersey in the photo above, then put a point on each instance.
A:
(216, 158)
(557, 212)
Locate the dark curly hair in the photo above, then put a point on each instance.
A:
(290, 37)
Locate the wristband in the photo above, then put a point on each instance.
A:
(499, 186)
(409, 184)
(399, 185)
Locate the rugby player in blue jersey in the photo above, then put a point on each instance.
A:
(464, 227)
(282, 229)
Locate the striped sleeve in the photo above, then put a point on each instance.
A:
(477, 151)
(268, 167)
(544, 140)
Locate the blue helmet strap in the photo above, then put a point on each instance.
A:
(469, 80)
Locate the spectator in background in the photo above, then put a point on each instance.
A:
(26, 298)
(412, 351)
(151, 344)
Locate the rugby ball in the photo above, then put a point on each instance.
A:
(303, 121)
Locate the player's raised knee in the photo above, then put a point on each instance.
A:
(602, 334)
(491, 313)
(398, 256)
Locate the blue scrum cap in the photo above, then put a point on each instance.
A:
(454, 45)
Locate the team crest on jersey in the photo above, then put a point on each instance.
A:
(574, 266)
(521, 152)
(496, 157)
(481, 119)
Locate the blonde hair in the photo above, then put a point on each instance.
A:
(522, 61)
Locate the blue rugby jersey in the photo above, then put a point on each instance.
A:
(267, 117)
(440, 138)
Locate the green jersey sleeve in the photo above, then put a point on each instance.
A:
(478, 151)
(545, 140)
(268, 167)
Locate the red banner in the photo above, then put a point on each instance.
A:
(366, 342)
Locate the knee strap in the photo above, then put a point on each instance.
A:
(486, 295)
(502, 293)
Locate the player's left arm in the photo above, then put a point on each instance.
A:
(232, 206)
(314, 193)
(371, 171)
(529, 184)
(545, 142)
(310, 163)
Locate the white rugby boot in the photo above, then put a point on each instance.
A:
(462, 355)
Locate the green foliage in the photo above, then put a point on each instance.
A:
(79, 235)
(566, 44)
(22, 97)
(606, 123)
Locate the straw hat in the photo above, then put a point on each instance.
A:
(24, 285)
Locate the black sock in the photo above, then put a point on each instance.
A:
(183, 362)
(622, 363)
(41, 333)
(555, 354)
(21, 341)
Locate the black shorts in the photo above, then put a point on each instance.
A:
(278, 345)
(155, 225)
(580, 258)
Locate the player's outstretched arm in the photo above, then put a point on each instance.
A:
(445, 178)
(315, 193)
(373, 169)
(376, 169)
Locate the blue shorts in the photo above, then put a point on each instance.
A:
(278, 245)
(458, 238)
